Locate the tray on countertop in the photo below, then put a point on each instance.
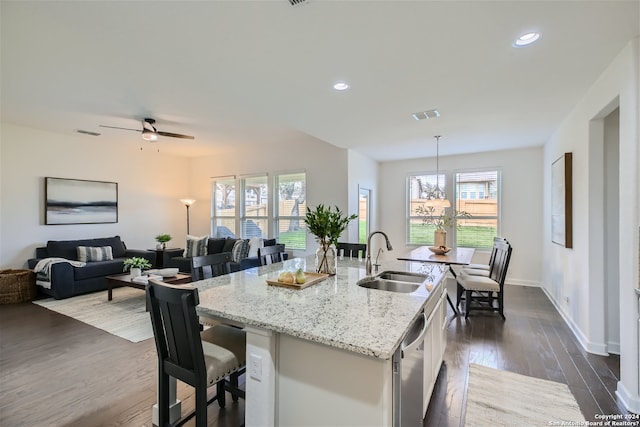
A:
(312, 279)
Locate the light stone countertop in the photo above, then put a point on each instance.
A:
(334, 312)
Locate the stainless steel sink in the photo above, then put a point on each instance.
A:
(402, 276)
(394, 281)
(389, 285)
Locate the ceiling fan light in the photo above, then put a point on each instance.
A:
(150, 136)
(526, 39)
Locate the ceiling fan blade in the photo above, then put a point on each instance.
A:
(175, 135)
(116, 127)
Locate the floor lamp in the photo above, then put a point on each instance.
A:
(188, 203)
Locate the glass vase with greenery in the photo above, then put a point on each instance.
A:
(327, 225)
(442, 221)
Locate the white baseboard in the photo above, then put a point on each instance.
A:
(521, 282)
(613, 348)
(591, 347)
(631, 402)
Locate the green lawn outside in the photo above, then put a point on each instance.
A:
(294, 239)
(362, 232)
(467, 236)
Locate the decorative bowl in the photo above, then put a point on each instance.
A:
(440, 250)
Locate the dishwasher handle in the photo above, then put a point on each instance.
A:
(420, 336)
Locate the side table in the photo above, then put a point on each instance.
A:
(162, 255)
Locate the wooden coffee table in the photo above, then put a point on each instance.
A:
(119, 280)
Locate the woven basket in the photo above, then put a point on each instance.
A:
(17, 286)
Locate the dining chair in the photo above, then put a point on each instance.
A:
(483, 269)
(199, 359)
(208, 266)
(352, 250)
(482, 293)
(271, 254)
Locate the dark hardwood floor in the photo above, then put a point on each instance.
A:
(534, 341)
(57, 371)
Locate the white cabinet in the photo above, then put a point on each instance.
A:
(325, 386)
(435, 341)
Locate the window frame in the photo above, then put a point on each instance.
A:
(242, 214)
(278, 218)
(442, 178)
(456, 201)
(214, 217)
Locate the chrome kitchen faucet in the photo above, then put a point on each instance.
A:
(368, 262)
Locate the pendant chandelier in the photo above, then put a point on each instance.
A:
(437, 198)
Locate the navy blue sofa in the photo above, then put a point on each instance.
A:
(68, 281)
(216, 245)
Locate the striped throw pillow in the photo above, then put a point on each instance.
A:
(90, 253)
(196, 246)
(240, 250)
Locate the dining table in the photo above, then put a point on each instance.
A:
(456, 256)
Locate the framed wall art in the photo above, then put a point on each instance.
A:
(561, 201)
(78, 201)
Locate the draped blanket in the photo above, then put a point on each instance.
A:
(43, 270)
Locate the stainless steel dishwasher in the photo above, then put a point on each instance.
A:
(408, 376)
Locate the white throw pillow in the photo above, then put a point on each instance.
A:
(254, 244)
(196, 246)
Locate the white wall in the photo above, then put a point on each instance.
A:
(325, 166)
(363, 173)
(611, 207)
(521, 221)
(149, 186)
(578, 273)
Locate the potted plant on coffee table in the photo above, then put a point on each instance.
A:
(135, 265)
(327, 225)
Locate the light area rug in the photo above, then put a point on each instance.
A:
(123, 316)
(499, 398)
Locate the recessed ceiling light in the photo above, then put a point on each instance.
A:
(341, 86)
(527, 39)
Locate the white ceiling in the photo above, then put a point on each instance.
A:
(243, 72)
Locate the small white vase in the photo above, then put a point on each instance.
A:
(135, 272)
(440, 238)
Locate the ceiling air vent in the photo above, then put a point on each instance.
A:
(298, 2)
(429, 114)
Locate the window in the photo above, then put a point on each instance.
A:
(290, 210)
(419, 186)
(484, 187)
(254, 215)
(364, 217)
(223, 220)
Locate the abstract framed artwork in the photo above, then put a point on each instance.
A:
(561, 201)
(78, 201)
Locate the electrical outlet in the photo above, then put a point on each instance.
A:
(255, 366)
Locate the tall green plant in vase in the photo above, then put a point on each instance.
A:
(327, 225)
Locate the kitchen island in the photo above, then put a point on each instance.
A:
(324, 355)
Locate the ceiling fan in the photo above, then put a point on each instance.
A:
(149, 131)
